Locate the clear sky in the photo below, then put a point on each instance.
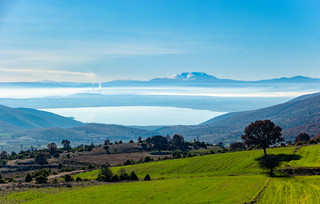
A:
(78, 40)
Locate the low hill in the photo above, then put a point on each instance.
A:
(300, 115)
(84, 134)
(31, 118)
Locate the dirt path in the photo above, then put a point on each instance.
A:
(65, 173)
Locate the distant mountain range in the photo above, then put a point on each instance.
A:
(301, 114)
(185, 79)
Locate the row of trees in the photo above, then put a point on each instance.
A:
(106, 175)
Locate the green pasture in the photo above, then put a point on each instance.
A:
(310, 157)
(224, 164)
(300, 189)
(237, 189)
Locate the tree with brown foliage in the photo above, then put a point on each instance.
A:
(302, 137)
(262, 134)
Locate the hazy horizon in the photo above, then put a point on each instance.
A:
(85, 41)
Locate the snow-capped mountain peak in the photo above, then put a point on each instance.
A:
(192, 76)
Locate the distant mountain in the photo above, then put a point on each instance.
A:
(189, 76)
(300, 115)
(30, 118)
(182, 79)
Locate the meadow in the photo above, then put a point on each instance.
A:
(232, 177)
(223, 164)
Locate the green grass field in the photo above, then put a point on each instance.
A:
(233, 163)
(183, 190)
(300, 189)
(310, 157)
(218, 178)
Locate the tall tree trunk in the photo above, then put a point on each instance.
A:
(265, 151)
(271, 171)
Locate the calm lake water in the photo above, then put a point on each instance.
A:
(138, 115)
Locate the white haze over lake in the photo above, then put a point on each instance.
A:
(137, 115)
(169, 91)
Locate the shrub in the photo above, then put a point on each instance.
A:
(68, 178)
(176, 155)
(148, 159)
(313, 142)
(237, 145)
(41, 179)
(10, 179)
(78, 179)
(60, 166)
(147, 178)
(115, 178)
(105, 175)
(90, 166)
(128, 162)
(131, 141)
(133, 176)
(123, 175)
(28, 178)
(41, 158)
(299, 143)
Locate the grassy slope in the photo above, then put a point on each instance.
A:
(292, 190)
(310, 157)
(233, 163)
(183, 190)
(195, 186)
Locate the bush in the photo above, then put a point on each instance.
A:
(299, 143)
(237, 145)
(41, 179)
(128, 162)
(2, 179)
(78, 179)
(105, 175)
(10, 179)
(133, 176)
(28, 178)
(90, 166)
(41, 158)
(147, 178)
(313, 142)
(115, 178)
(148, 159)
(68, 178)
(176, 155)
(123, 175)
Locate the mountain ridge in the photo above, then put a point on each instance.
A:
(303, 113)
(184, 78)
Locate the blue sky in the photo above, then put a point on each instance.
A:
(79, 40)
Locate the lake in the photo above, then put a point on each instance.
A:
(137, 115)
